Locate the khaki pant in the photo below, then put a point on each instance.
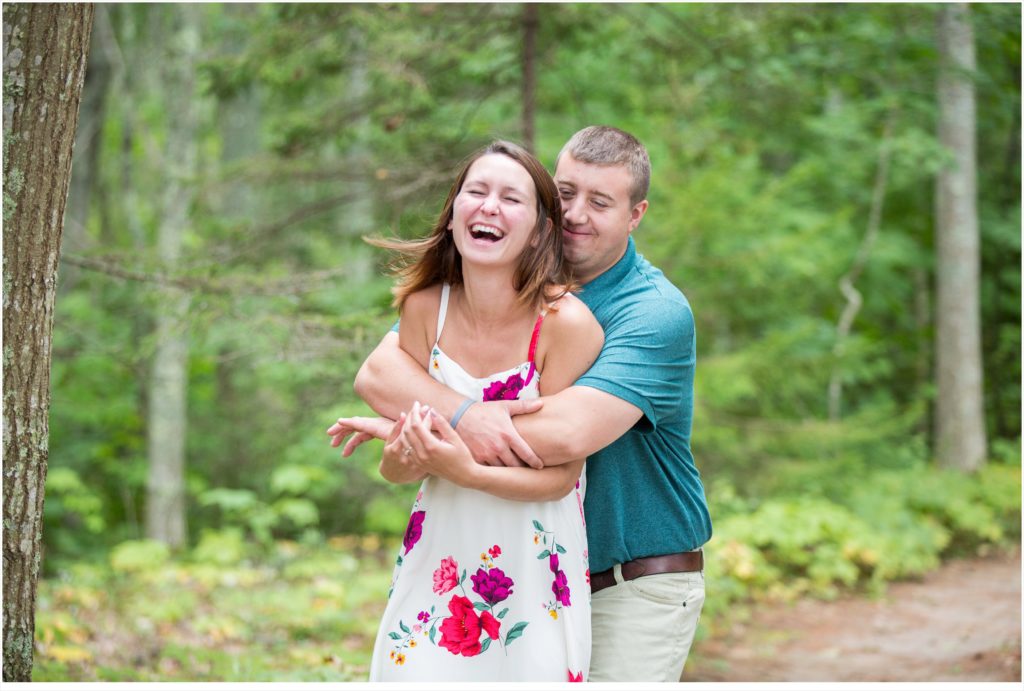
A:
(643, 629)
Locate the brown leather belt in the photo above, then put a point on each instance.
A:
(682, 562)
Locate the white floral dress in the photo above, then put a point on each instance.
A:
(487, 589)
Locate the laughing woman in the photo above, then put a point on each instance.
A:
(491, 582)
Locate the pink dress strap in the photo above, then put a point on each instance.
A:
(533, 347)
(536, 336)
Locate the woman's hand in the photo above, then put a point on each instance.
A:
(363, 429)
(396, 465)
(430, 444)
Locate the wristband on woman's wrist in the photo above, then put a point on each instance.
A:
(463, 407)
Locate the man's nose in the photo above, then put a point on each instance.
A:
(574, 212)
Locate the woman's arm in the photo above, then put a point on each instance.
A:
(436, 449)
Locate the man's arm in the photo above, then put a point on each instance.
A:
(644, 370)
(391, 381)
(573, 423)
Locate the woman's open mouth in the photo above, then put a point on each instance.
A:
(479, 231)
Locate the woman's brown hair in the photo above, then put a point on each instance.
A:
(542, 274)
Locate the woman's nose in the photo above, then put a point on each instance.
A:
(490, 205)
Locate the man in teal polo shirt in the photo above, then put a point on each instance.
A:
(630, 415)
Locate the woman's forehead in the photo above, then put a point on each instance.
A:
(499, 169)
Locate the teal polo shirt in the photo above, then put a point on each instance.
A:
(644, 493)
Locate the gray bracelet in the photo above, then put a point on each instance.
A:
(461, 411)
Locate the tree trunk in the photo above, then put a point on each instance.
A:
(167, 411)
(45, 53)
(959, 414)
(530, 23)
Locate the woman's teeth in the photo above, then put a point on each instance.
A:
(481, 232)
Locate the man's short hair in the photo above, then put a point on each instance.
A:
(609, 146)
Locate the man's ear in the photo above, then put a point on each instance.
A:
(637, 214)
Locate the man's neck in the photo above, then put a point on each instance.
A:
(584, 280)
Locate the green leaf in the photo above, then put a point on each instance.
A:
(485, 645)
(561, 550)
(433, 632)
(538, 526)
(393, 635)
(463, 578)
(515, 632)
(544, 555)
(402, 626)
(502, 613)
(481, 606)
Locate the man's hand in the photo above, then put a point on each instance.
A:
(488, 432)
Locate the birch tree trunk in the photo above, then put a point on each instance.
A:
(167, 411)
(959, 416)
(45, 54)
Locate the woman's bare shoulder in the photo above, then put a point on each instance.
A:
(569, 316)
(419, 314)
(422, 302)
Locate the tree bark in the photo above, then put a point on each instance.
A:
(959, 413)
(167, 410)
(46, 49)
(531, 21)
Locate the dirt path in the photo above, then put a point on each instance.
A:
(960, 623)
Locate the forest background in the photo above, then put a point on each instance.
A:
(215, 299)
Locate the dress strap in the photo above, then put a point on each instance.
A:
(533, 346)
(442, 311)
(536, 336)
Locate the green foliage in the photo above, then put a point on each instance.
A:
(136, 556)
(888, 525)
(304, 614)
(221, 547)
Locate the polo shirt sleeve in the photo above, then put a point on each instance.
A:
(648, 359)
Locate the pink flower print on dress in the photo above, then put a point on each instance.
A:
(446, 576)
(460, 633)
(413, 531)
(561, 589)
(575, 677)
(507, 390)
